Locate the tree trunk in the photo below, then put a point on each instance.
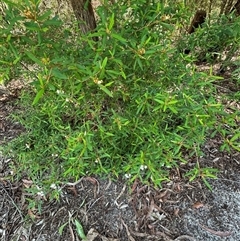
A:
(198, 20)
(236, 8)
(83, 11)
(228, 7)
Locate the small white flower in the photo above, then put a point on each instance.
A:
(128, 13)
(97, 81)
(97, 160)
(127, 175)
(60, 92)
(41, 193)
(28, 146)
(53, 186)
(143, 167)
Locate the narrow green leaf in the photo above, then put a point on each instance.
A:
(104, 63)
(147, 41)
(44, 16)
(172, 109)
(17, 60)
(60, 230)
(109, 84)
(159, 101)
(237, 148)
(13, 50)
(52, 22)
(34, 59)
(207, 184)
(80, 230)
(32, 26)
(123, 75)
(111, 22)
(235, 137)
(109, 134)
(106, 90)
(118, 37)
(172, 102)
(140, 63)
(58, 74)
(168, 26)
(38, 96)
(112, 72)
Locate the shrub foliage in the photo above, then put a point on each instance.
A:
(129, 104)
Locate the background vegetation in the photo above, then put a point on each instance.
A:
(131, 104)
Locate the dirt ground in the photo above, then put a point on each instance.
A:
(112, 211)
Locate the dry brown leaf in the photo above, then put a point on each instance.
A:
(32, 215)
(134, 186)
(92, 234)
(176, 211)
(73, 190)
(138, 234)
(198, 205)
(92, 180)
(162, 194)
(27, 183)
(177, 187)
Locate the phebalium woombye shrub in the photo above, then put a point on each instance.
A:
(130, 104)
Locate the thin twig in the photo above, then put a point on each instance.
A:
(217, 233)
(183, 237)
(14, 204)
(121, 193)
(127, 230)
(74, 183)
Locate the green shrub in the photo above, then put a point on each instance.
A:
(129, 104)
(218, 39)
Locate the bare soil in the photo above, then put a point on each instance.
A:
(110, 210)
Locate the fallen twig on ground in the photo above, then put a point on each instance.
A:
(217, 233)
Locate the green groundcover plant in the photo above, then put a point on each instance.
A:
(130, 104)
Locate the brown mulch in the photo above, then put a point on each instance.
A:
(110, 210)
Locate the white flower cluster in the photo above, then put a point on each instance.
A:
(60, 92)
(143, 167)
(127, 175)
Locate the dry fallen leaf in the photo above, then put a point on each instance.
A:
(27, 183)
(92, 234)
(198, 205)
(92, 180)
(176, 211)
(73, 190)
(134, 186)
(162, 194)
(32, 215)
